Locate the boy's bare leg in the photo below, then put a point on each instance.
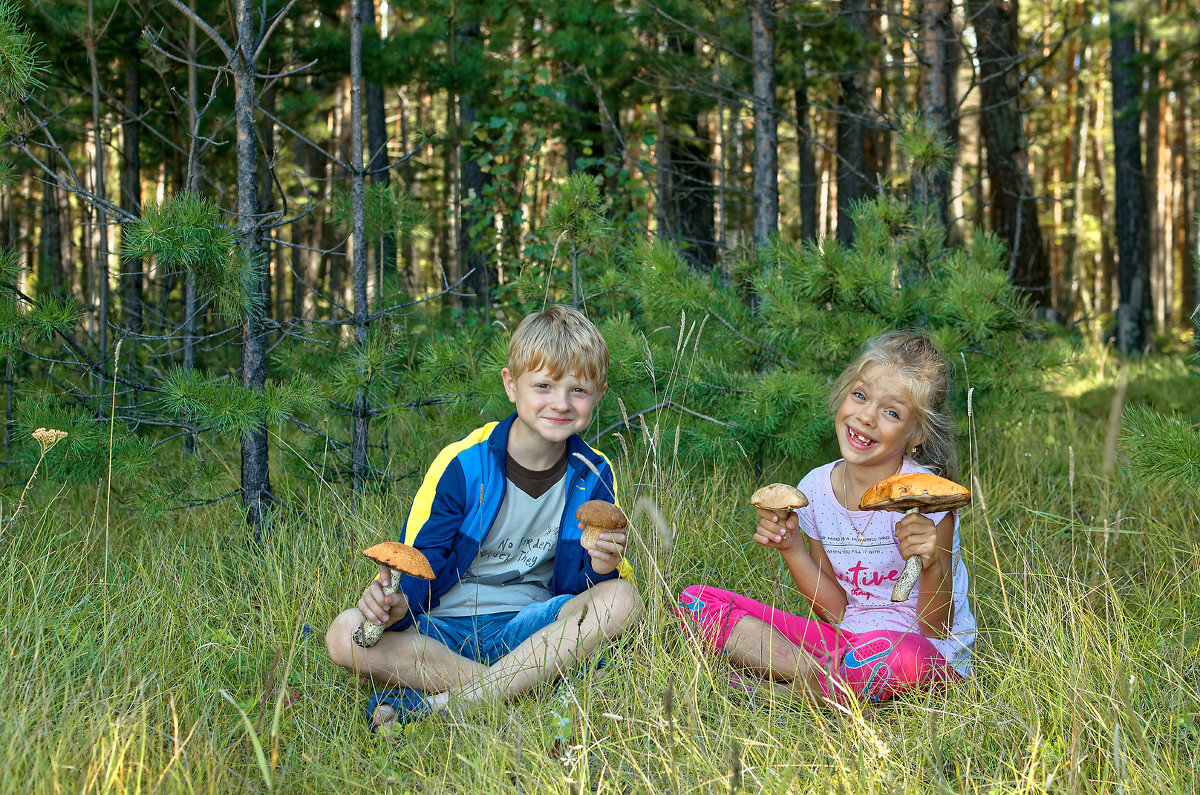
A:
(756, 646)
(406, 659)
(596, 615)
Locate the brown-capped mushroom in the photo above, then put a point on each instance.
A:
(779, 498)
(915, 492)
(401, 559)
(598, 516)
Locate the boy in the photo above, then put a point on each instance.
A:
(516, 600)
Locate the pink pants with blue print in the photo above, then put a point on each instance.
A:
(877, 665)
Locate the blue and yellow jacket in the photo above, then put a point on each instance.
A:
(458, 501)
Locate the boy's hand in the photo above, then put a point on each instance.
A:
(776, 534)
(917, 535)
(380, 608)
(609, 550)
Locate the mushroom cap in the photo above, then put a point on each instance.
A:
(921, 490)
(401, 558)
(601, 514)
(779, 497)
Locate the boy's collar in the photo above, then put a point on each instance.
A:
(498, 442)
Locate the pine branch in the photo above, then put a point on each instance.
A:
(1162, 448)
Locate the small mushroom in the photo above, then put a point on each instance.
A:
(401, 559)
(915, 492)
(779, 498)
(598, 516)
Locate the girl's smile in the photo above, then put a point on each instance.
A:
(876, 422)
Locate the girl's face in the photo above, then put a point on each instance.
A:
(877, 421)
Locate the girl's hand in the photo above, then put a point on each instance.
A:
(609, 550)
(776, 534)
(917, 535)
(380, 608)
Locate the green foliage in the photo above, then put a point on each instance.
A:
(92, 447)
(186, 233)
(743, 367)
(739, 368)
(575, 213)
(226, 406)
(20, 66)
(390, 210)
(923, 144)
(23, 321)
(1162, 448)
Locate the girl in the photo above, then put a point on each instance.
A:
(890, 413)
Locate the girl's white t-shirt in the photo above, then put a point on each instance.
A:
(868, 569)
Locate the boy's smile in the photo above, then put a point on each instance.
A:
(549, 411)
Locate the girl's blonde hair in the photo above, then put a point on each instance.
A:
(930, 378)
(562, 340)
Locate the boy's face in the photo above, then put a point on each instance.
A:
(552, 409)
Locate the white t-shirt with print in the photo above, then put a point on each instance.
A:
(868, 569)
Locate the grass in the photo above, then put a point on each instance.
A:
(179, 657)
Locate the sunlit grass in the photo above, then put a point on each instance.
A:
(1086, 672)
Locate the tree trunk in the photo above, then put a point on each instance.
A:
(1189, 209)
(361, 410)
(931, 183)
(1155, 247)
(51, 276)
(1133, 309)
(808, 179)
(475, 224)
(1014, 211)
(131, 187)
(191, 183)
(101, 216)
(1074, 167)
(854, 182)
(256, 475)
(377, 155)
(766, 137)
(267, 211)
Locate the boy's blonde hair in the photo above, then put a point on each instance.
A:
(930, 378)
(561, 340)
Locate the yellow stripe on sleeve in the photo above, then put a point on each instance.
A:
(422, 505)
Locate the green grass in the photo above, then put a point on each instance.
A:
(174, 657)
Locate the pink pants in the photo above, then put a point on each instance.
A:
(876, 665)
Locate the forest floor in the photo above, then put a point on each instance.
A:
(177, 656)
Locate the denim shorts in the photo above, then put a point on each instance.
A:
(487, 638)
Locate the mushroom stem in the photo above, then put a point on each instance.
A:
(369, 633)
(910, 575)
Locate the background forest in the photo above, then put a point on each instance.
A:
(259, 261)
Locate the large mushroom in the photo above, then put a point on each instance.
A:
(914, 492)
(779, 498)
(401, 559)
(598, 516)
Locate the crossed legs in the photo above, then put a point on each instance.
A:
(410, 659)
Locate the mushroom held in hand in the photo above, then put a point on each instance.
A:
(598, 516)
(779, 498)
(401, 559)
(915, 492)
